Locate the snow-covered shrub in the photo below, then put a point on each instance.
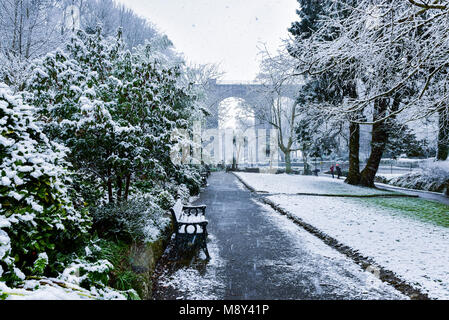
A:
(99, 268)
(137, 219)
(381, 179)
(165, 200)
(40, 264)
(57, 289)
(88, 274)
(433, 176)
(114, 109)
(36, 210)
(183, 193)
(14, 70)
(190, 177)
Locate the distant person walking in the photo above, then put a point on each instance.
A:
(332, 171)
(337, 167)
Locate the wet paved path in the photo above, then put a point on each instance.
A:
(259, 254)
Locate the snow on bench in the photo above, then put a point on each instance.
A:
(190, 227)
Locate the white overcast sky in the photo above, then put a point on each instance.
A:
(227, 32)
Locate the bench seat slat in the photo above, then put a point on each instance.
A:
(191, 219)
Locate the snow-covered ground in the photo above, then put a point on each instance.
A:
(416, 251)
(293, 184)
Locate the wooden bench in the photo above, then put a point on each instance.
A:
(190, 227)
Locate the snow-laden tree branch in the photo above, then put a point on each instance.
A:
(387, 45)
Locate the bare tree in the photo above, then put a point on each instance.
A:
(275, 108)
(29, 27)
(32, 28)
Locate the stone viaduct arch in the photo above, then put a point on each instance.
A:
(251, 93)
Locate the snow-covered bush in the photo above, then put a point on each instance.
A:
(183, 193)
(40, 264)
(139, 219)
(190, 176)
(88, 274)
(13, 70)
(56, 289)
(115, 110)
(165, 200)
(36, 211)
(433, 176)
(98, 268)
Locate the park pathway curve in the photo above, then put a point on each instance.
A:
(259, 254)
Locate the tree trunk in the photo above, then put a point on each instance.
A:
(443, 134)
(446, 189)
(306, 164)
(109, 183)
(20, 29)
(379, 140)
(119, 188)
(234, 160)
(14, 37)
(354, 162)
(354, 144)
(128, 182)
(288, 162)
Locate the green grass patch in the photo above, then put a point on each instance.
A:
(424, 210)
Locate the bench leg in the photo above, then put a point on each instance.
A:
(206, 252)
(175, 252)
(204, 245)
(194, 243)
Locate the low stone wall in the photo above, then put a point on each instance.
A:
(143, 258)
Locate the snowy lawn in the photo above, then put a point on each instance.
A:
(293, 184)
(404, 235)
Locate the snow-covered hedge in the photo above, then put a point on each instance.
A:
(36, 211)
